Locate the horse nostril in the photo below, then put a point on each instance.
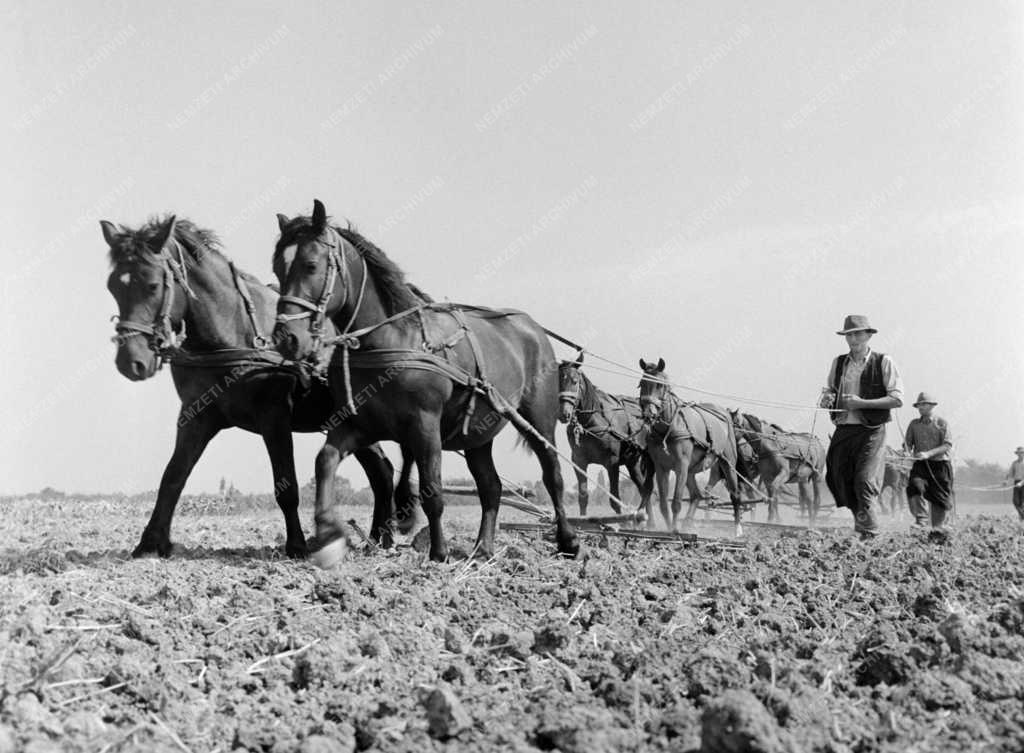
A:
(138, 369)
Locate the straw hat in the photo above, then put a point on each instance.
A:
(924, 397)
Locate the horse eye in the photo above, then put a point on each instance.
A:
(153, 287)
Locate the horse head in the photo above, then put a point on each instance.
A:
(654, 387)
(144, 278)
(308, 262)
(570, 380)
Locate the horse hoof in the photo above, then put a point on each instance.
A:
(570, 548)
(330, 554)
(439, 555)
(296, 551)
(149, 549)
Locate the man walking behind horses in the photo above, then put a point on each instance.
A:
(931, 477)
(1016, 475)
(862, 387)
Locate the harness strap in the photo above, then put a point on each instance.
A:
(478, 361)
(250, 308)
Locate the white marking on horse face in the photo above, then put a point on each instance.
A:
(288, 256)
(125, 278)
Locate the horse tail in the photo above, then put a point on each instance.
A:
(522, 444)
(647, 471)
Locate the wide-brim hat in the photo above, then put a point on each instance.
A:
(856, 323)
(923, 398)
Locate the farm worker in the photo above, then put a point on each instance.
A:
(931, 476)
(1016, 475)
(862, 388)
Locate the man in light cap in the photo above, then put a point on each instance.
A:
(931, 477)
(1016, 476)
(862, 388)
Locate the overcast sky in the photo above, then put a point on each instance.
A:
(716, 183)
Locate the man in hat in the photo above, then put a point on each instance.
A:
(931, 476)
(1016, 475)
(862, 388)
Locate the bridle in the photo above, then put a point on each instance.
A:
(316, 312)
(657, 401)
(161, 335)
(571, 396)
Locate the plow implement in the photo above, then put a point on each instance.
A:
(659, 537)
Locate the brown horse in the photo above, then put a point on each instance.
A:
(782, 457)
(603, 429)
(429, 376)
(169, 278)
(895, 479)
(685, 439)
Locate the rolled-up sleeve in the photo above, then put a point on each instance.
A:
(892, 378)
(945, 436)
(831, 374)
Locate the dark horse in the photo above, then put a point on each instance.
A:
(429, 376)
(169, 277)
(685, 439)
(781, 457)
(603, 429)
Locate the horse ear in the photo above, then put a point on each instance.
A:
(661, 364)
(319, 215)
(579, 359)
(643, 364)
(165, 233)
(109, 232)
(282, 221)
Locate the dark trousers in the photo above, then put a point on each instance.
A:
(931, 481)
(1018, 499)
(854, 467)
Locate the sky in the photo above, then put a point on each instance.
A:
(714, 183)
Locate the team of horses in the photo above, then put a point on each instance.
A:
(349, 347)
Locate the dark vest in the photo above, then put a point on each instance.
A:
(872, 385)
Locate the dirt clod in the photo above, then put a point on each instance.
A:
(737, 722)
(445, 715)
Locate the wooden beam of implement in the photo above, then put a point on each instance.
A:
(634, 518)
(470, 491)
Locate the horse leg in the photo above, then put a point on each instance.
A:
(330, 544)
(661, 478)
(732, 483)
(695, 496)
(774, 487)
(582, 488)
(803, 494)
(613, 487)
(568, 542)
(488, 486)
(194, 433)
(426, 449)
(684, 480)
(815, 503)
(277, 438)
(642, 477)
(407, 501)
(381, 475)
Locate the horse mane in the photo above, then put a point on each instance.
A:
(397, 294)
(132, 244)
(590, 394)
